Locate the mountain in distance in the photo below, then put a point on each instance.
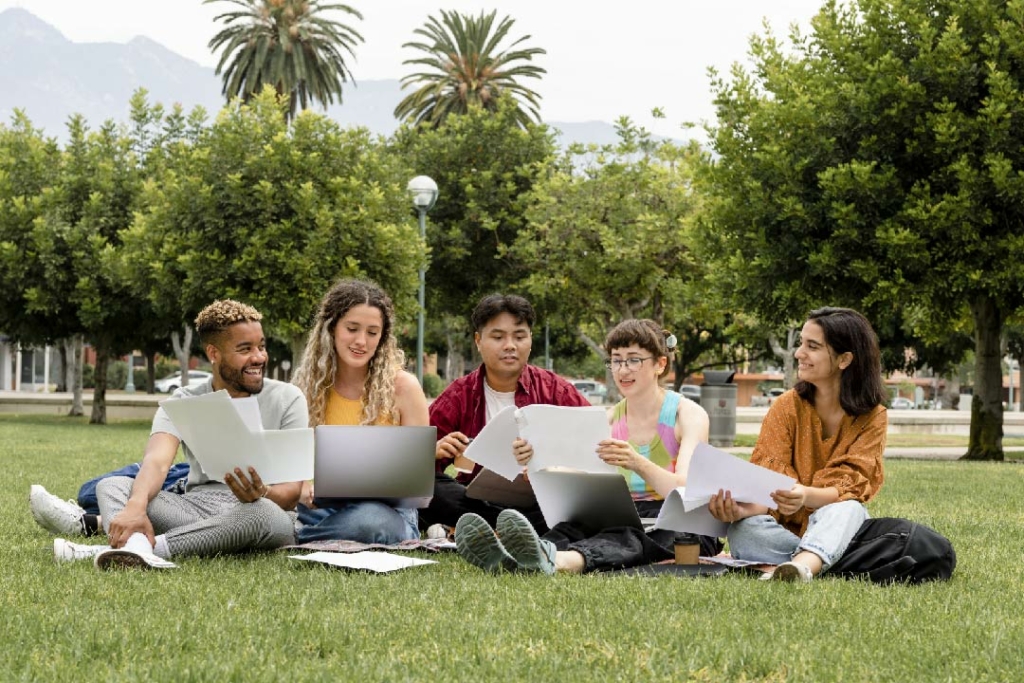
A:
(56, 78)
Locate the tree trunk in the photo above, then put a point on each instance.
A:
(99, 393)
(65, 376)
(76, 347)
(183, 352)
(150, 372)
(986, 441)
(786, 356)
(298, 346)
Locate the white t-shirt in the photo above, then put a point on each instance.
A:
(496, 401)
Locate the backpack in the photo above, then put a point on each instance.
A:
(894, 550)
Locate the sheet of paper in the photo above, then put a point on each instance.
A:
(219, 438)
(249, 410)
(712, 470)
(675, 517)
(565, 437)
(492, 447)
(379, 562)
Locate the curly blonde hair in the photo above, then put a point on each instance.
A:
(316, 374)
(213, 320)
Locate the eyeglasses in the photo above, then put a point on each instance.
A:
(631, 363)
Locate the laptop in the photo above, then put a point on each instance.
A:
(593, 500)
(394, 465)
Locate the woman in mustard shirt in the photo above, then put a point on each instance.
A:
(828, 433)
(352, 373)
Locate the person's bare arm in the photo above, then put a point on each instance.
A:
(160, 452)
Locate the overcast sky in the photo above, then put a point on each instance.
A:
(603, 59)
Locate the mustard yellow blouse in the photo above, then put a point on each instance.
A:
(346, 411)
(850, 460)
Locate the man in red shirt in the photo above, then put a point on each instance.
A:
(502, 327)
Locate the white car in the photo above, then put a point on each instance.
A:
(593, 391)
(690, 391)
(901, 403)
(173, 381)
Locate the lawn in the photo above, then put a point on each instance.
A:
(267, 618)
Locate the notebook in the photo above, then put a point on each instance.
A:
(394, 465)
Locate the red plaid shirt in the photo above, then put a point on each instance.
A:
(462, 408)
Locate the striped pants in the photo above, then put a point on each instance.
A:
(208, 520)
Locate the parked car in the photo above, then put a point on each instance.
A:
(901, 403)
(171, 382)
(690, 391)
(592, 390)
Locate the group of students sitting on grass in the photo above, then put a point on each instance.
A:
(828, 433)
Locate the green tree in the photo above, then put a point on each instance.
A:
(878, 164)
(463, 68)
(290, 45)
(272, 214)
(483, 165)
(607, 238)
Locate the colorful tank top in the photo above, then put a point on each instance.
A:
(345, 411)
(662, 450)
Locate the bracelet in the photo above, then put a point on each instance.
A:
(266, 490)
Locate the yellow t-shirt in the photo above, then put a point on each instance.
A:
(346, 411)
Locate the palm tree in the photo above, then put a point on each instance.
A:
(465, 70)
(287, 44)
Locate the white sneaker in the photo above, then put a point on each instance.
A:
(791, 571)
(437, 531)
(66, 551)
(127, 559)
(53, 514)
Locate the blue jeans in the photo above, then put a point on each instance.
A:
(829, 531)
(367, 521)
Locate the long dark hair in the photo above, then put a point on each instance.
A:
(860, 384)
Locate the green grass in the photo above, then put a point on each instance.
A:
(266, 618)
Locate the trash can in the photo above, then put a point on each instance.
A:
(718, 398)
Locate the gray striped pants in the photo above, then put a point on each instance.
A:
(208, 520)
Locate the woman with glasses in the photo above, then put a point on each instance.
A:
(828, 433)
(653, 434)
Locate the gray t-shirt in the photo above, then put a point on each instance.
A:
(282, 406)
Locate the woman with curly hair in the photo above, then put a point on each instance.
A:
(351, 374)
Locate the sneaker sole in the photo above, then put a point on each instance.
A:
(789, 573)
(124, 559)
(522, 542)
(477, 543)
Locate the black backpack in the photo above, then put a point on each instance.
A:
(894, 550)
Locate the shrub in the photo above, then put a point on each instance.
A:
(433, 385)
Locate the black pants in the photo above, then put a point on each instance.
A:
(450, 502)
(621, 547)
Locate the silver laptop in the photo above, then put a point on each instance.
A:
(394, 465)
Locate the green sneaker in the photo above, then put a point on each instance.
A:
(479, 545)
(531, 552)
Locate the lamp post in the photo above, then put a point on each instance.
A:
(129, 386)
(423, 192)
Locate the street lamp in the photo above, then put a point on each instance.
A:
(423, 192)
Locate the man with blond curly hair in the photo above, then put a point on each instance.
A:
(147, 526)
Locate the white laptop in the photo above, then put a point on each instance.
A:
(394, 465)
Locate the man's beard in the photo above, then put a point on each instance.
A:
(237, 380)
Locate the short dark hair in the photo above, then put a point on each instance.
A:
(860, 384)
(213, 320)
(646, 333)
(493, 305)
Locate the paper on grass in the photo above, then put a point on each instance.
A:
(565, 437)
(218, 436)
(712, 470)
(492, 447)
(379, 562)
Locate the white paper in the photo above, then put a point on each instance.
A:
(712, 470)
(374, 561)
(565, 437)
(217, 435)
(492, 447)
(249, 410)
(675, 517)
